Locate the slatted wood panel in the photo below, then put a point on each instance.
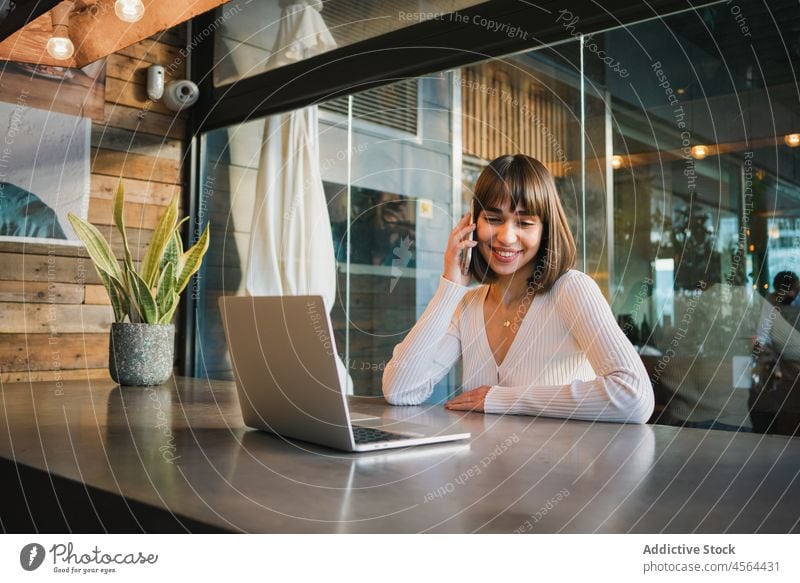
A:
(22, 352)
(144, 121)
(138, 191)
(506, 111)
(41, 291)
(60, 374)
(54, 312)
(138, 166)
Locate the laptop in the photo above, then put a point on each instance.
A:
(284, 362)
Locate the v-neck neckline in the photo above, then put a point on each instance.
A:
(486, 335)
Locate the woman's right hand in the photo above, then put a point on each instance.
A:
(460, 238)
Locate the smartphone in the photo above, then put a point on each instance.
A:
(466, 254)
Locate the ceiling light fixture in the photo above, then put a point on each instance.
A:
(616, 162)
(699, 152)
(792, 140)
(59, 46)
(129, 10)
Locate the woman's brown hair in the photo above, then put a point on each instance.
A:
(530, 186)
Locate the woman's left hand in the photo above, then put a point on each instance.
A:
(470, 400)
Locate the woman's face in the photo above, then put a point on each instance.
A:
(508, 240)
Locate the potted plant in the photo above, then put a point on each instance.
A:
(141, 348)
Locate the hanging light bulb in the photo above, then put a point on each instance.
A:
(59, 46)
(792, 140)
(699, 152)
(129, 10)
(616, 162)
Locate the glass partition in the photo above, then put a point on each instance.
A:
(703, 175)
(386, 160)
(674, 147)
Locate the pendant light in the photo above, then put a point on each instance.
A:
(129, 10)
(699, 152)
(59, 46)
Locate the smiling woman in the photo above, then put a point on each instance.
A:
(568, 358)
(510, 241)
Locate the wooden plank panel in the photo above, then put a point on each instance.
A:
(43, 249)
(53, 375)
(147, 122)
(40, 291)
(96, 295)
(138, 241)
(141, 191)
(136, 216)
(17, 266)
(132, 95)
(122, 140)
(135, 69)
(118, 164)
(152, 51)
(30, 352)
(58, 318)
(18, 262)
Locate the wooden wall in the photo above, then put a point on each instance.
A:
(54, 314)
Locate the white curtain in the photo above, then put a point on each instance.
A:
(291, 244)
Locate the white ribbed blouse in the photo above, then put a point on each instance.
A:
(569, 358)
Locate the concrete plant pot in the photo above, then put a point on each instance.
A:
(141, 355)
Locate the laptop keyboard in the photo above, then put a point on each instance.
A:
(369, 435)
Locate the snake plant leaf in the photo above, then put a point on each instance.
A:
(166, 317)
(144, 299)
(116, 293)
(183, 220)
(173, 249)
(171, 255)
(134, 310)
(161, 237)
(151, 294)
(190, 261)
(166, 286)
(178, 238)
(179, 247)
(97, 246)
(119, 221)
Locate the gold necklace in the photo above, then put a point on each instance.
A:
(507, 323)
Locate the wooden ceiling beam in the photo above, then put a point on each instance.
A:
(96, 31)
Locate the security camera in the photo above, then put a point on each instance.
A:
(155, 82)
(181, 94)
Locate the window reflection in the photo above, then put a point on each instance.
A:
(685, 204)
(383, 224)
(249, 38)
(703, 183)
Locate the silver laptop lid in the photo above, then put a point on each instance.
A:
(282, 353)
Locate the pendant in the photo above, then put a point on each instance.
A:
(507, 323)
